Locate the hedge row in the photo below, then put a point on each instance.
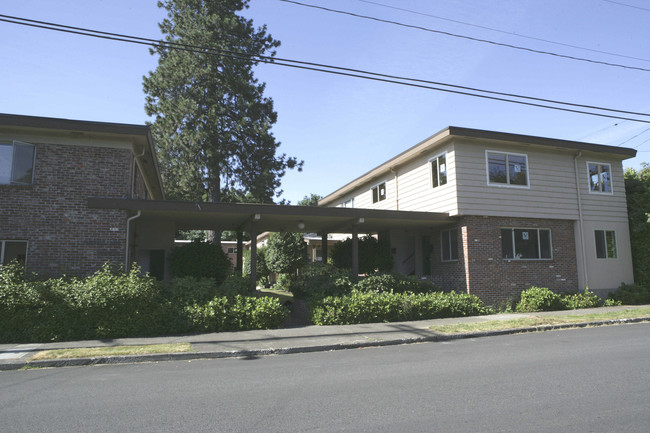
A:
(543, 299)
(112, 304)
(371, 307)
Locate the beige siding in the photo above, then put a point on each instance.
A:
(600, 206)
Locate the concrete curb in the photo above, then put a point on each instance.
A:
(188, 356)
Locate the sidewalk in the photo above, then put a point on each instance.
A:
(284, 341)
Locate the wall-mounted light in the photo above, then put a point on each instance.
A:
(301, 225)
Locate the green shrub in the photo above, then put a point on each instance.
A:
(588, 299)
(397, 283)
(371, 307)
(318, 280)
(285, 282)
(190, 289)
(236, 285)
(236, 314)
(539, 299)
(631, 294)
(263, 272)
(200, 260)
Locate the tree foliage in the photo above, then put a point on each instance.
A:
(200, 260)
(286, 252)
(212, 121)
(310, 200)
(637, 189)
(374, 255)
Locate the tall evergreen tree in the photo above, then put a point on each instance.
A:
(212, 122)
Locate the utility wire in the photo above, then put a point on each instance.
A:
(519, 35)
(627, 5)
(317, 67)
(632, 138)
(516, 47)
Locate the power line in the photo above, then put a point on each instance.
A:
(519, 35)
(632, 138)
(516, 47)
(320, 68)
(627, 5)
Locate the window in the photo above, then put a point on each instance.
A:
(13, 250)
(507, 169)
(232, 250)
(605, 244)
(449, 245)
(526, 244)
(16, 163)
(600, 177)
(379, 192)
(439, 170)
(348, 203)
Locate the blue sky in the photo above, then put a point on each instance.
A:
(342, 127)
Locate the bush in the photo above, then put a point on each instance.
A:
(372, 307)
(285, 252)
(200, 260)
(397, 283)
(263, 272)
(318, 280)
(631, 294)
(236, 314)
(374, 255)
(539, 299)
(588, 299)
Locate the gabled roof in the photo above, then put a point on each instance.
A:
(139, 135)
(450, 132)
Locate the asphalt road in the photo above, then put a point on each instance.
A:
(581, 380)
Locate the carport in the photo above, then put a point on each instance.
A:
(259, 218)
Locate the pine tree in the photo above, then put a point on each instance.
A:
(212, 121)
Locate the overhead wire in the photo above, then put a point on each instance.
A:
(323, 68)
(519, 35)
(628, 5)
(455, 35)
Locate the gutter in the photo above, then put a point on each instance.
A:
(128, 236)
(581, 221)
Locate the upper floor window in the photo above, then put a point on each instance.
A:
(526, 244)
(439, 170)
(13, 250)
(348, 203)
(605, 244)
(16, 163)
(379, 192)
(600, 177)
(507, 169)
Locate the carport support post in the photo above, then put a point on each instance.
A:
(253, 233)
(355, 251)
(324, 247)
(239, 265)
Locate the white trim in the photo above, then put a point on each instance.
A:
(611, 178)
(507, 184)
(606, 252)
(378, 196)
(539, 243)
(438, 173)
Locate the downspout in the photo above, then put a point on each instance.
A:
(394, 171)
(580, 221)
(128, 235)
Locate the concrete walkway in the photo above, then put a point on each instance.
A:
(282, 341)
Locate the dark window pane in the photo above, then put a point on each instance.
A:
(611, 244)
(605, 179)
(506, 244)
(15, 250)
(382, 191)
(23, 163)
(6, 152)
(601, 250)
(434, 173)
(545, 244)
(517, 170)
(594, 183)
(454, 244)
(442, 168)
(526, 244)
(497, 168)
(375, 195)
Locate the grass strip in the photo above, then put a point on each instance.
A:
(92, 352)
(526, 322)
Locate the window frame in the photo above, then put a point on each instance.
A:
(539, 243)
(344, 203)
(377, 187)
(435, 160)
(611, 180)
(3, 243)
(449, 245)
(606, 244)
(507, 184)
(12, 168)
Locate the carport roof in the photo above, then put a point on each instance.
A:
(188, 215)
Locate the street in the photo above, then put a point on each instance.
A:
(583, 380)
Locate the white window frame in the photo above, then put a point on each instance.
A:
(2, 248)
(435, 158)
(539, 243)
(607, 257)
(507, 184)
(611, 180)
(345, 203)
(379, 199)
(442, 246)
(13, 144)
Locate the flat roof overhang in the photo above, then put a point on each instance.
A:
(188, 215)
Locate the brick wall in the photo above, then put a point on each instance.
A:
(64, 236)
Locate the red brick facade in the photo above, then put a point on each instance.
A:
(63, 234)
(481, 270)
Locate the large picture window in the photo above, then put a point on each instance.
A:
(526, 244)
(379, 192)
(605, 244)
(439, 170)
(507, 169)
(600, 177)
(13, 250)
(16, 163)
(449, 245)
